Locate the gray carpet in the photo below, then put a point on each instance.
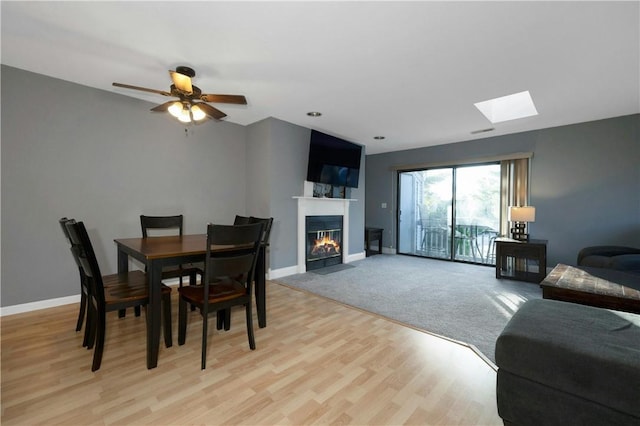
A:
(460, 301)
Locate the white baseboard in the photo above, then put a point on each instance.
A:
(51, 303)
(43, 304)
(282, 272)
(353, 257)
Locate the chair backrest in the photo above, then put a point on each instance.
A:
(266, 231)
(239, 262)
(160, 222)
(63, 224)
(83, 251)
(268, 222)
(84, 286)
(241, 220)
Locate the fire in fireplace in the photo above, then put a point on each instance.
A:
(324, 240)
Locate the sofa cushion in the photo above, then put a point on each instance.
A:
(597, 261)
(580, 350)
(626, 262)
(612, 257)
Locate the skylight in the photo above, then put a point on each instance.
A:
(510, 107)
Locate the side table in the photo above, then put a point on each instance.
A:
(521, 260)
(372, 234)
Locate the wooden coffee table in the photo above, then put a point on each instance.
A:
(598, 287)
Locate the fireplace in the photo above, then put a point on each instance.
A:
(311, 206)
(323, 241)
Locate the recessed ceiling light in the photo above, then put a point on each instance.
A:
(378, 138)
(314, 114)
(505, 108)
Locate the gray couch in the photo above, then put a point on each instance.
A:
(611, 257)
(562, 363)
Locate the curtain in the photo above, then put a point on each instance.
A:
(514, 188)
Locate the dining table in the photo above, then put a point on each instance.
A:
(158, 252)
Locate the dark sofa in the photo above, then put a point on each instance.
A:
(611, 257)
(561, 363)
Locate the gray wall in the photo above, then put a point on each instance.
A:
(585, 182)
(285, 148)
(69, 150)
(101, 157)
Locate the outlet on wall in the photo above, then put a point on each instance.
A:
(384, 205)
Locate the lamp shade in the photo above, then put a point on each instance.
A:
(522, 214)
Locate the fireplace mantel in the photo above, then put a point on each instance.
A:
(312, 206)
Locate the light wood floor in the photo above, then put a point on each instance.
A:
(316, 362)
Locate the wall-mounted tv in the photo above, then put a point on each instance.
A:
(333, 160)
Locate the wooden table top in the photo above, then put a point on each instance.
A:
(170, 246)
(609, 283)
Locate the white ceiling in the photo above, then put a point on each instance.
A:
(410, 71)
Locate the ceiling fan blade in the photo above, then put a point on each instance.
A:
(182, 82)
(164, 107)
(144, 89)
(225, 99)
(211, 111)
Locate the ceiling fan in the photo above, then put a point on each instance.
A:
(191, 105)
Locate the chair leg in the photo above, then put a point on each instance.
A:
(87, 326)
(97, 352)
(90, 326)
(83, 308)
(252, 341)
(192, 281)
(205, 322)
(166, 313)
(227, 319)
(223, 319)
(182, 321)
(220, 319)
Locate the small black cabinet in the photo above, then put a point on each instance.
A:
(370, 235)
(521, 260)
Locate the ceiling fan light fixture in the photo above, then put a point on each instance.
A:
(197, 113)
(184, 116)
(188, 107)
(182, 82)
(175, 109)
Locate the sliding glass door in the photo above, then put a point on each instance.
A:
(450, 213)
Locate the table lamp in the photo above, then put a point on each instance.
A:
(519, 216)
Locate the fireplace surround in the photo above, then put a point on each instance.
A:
(312, 206)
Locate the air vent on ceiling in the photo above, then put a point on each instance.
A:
(490, 129)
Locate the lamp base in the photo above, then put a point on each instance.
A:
(518, 232)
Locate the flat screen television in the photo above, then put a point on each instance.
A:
(333, 160)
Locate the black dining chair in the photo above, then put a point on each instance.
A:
(106, 293)
(268, 223)
(224, 318)
(84, 290)
(174, 223)
(228, 278)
